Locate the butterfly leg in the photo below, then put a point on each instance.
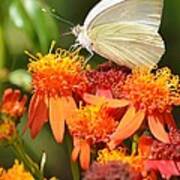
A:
(74, 46)
(90, 56)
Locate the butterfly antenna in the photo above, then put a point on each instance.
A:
(67, 33)
(57, 16)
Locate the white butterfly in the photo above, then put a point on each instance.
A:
(124, 31)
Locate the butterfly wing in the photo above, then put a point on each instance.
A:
(126, 31)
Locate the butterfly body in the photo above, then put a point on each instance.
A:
(82, 38)
(124, 31)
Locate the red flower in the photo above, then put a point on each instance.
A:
(166, 157)
(167, 168)
(55, 77)
(104, 79)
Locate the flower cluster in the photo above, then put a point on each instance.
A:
(12, 108)
(102, 108)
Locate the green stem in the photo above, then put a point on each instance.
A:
(2, 54)
(19, 151)
(74, 165)
(135, 144)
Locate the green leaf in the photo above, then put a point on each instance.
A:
(43, 24)
(2, 50)
(21, 78)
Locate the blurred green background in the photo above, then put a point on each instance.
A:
(24, 26)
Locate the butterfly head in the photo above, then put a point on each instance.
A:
(77, 30)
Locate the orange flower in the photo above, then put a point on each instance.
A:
(90, 125)
(17, 172)
(55, 77)
(151, 96)
(12, 103)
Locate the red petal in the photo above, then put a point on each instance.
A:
(32, 109)
(7, 95)
(57, 117)
(16, 95)
(144, 145)
(157, 129)
(85, 155)
(170, 120)
(104, 92)
(128, 130)
(40, 116)
(23, 101)
(167, 168)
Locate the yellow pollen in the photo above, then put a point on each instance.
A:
(156, 91)
(92, 123)
(105, 156)
(58, 74)
(60, 60)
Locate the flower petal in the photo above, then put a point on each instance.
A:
(32, 109)
(85, 155)
(91, 99)
(57, 117)
(117, 103)
(75, 153)
(69, 107)
(40, 116)
(128, 130)
(127, 118)
(23, 101)
(157, 128)
(76, 150)
(113, 103)
(168, 117)
(144, 145)
(16, 95)
(7, 95)
(167, 168)
(104, 92)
